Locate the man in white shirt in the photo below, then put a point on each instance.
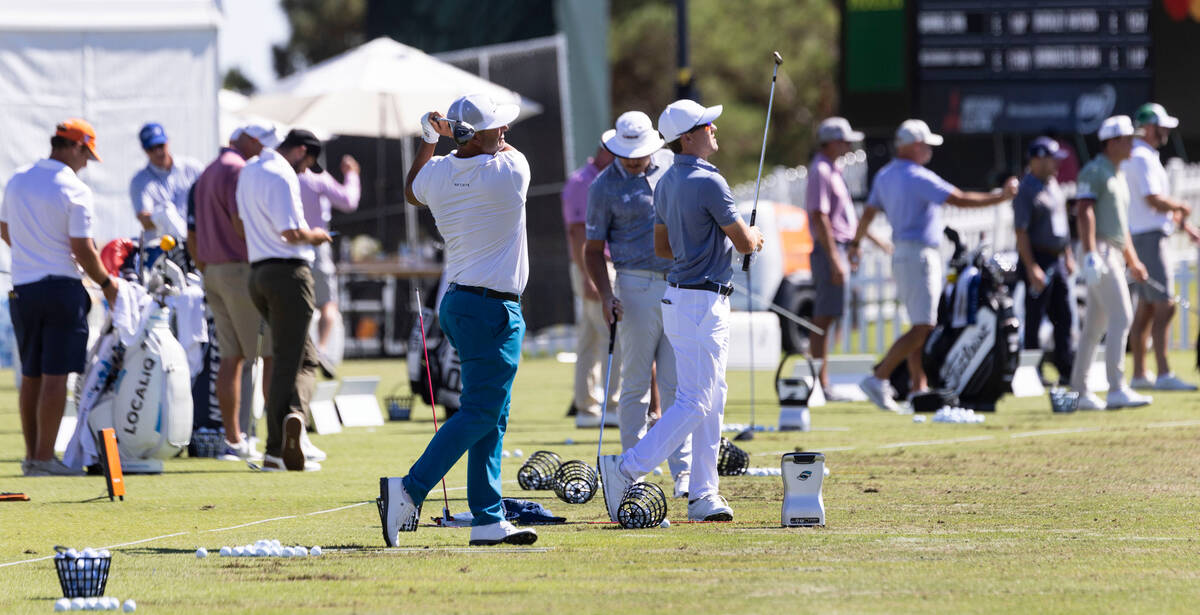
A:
(279, 244)
(46, 218)
(477, 197)
(1153, 216)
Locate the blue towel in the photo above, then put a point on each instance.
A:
(524, 512)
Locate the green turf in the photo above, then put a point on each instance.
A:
(1086, 521)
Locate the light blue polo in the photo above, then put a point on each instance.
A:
(694, 202)
(911, 196)
(621, 212)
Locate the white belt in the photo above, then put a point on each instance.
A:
(648, 274)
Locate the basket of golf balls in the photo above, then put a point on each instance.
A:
(82, 574)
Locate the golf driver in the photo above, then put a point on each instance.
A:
(612, 339)
(432, 407)
(462, 131)
(778, 59)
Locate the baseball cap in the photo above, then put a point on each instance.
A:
(916, 131)
(263, 132)
(152, 134)
(300, 136)
(79, 131)
(634, 136)
(836, 129)
(684, 115)
(1154, 113)
(1045, 146)
(1115, 126)
(481, 112)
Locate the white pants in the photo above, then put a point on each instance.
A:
(644, 343)
(591, 353)
(697, 325)
(1108, 311)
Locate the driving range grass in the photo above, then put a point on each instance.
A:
(1028, 512)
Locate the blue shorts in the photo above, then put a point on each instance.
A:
(49, 319)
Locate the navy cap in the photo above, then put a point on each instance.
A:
(152, 134)
(1045, 146)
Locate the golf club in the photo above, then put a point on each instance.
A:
(462, 131)
(778, 59)
(612, 338)
(778, 309)
(1183, 303)
(432, 406)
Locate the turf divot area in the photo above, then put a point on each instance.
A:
(1029, 511)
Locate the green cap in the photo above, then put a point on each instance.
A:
(1154, 113)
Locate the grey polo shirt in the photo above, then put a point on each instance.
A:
(620, 211)
(694, 202)
(1040, 209)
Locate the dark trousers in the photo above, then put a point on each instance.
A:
(1054, 302)
(283, 293)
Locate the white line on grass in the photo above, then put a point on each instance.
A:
(936, 442)
(1172, 424)
(123, 544)
(1051, 432)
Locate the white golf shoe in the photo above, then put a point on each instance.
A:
(1171, 382)
(1089, 401)
(879, 391)
(502, 532)
(271, 463)
(397, 513)
(311, 452)
(711, 507)
(681, 484)
(1142, 384)
(612, 483)
(292, 453)
(1126, 397)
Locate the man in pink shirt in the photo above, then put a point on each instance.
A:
(320, 193)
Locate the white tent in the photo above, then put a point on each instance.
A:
(118, 64)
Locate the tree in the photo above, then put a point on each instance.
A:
(321, 29)
(237, 81)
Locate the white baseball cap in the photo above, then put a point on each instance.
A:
(916, 131)
(837, 129)
(263, 132)
(634, 136)
(1114, 127)
(684, 115)
(481, 112)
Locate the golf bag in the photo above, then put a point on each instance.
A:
(444, 366)
(973, 350)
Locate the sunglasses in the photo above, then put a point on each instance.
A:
(710, 126)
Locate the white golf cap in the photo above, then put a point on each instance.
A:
(837, 129)
(481, 112)
(1154, 113)
(263, 132)
(916, 131)
(684, 115)
(1114, 127)
(634, 136)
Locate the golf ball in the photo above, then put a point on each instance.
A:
(88, 552)
(658, 471)
(569, 441)
(315, 551)
(226, 551)
(665, 523)
(301, 551)
(91, 603)
(77, 604)
(239, 551)
(518, 453)
(129, 606)
(201, 553)
(276, 544)
(505, 454)
(261, 552)
(62, 604)
(826, 470)
(918, 418)
(288, 552)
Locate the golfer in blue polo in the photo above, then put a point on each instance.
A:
(697, 226)
(477, 196)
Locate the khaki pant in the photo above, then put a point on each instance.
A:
(234, 314)
(1110, 311)
(591, 354)
(283, 293)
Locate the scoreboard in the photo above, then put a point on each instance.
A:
(1029, 66)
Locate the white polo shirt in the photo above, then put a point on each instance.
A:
(479, 206)
(268, 202)
(1145, 175)
(45, 205)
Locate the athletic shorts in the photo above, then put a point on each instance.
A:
(917, 271)
(1151, 249)
(831, 300)
(49, 319)
(226, 289)
(324, 276)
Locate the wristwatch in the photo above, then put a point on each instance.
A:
(106, 283)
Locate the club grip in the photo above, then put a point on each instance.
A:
(612, 335)
(753, 215)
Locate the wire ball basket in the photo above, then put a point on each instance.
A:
(644, 505)
(576, 482)
(79, 576)
(731, 460)
(537, 473)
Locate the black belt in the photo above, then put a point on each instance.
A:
(711, 287)
(486, 292)
(281, 261)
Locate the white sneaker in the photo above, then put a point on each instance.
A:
(397, 513)
(1126, 397)
(1171, 382)
(502, 532)
(681, 484)
(611, 419)
(711, 507)
(292, 453)
(272, 463)
(235, 452)
(612, 483)
(50, 467)
(1141, 384)
(311, 452)
(1089, 401)
(587, 421)
(879, 391)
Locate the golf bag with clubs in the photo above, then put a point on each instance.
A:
(972, 353)
(444, 366)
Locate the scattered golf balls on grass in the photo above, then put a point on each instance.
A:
(658, 471)
(129, 606)
(315, 551)
(267, 548)
(201, 553)
(665, 523)
(505, 454)
(62, 604)
(518, 453)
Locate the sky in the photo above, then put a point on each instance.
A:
(250, 28)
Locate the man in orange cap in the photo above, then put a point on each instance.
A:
(46, 217)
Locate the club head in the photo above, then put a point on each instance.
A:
(461, 131)
(778, 58)
(748, 434)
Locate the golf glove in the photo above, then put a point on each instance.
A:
(1093, 268)
(428, 133)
